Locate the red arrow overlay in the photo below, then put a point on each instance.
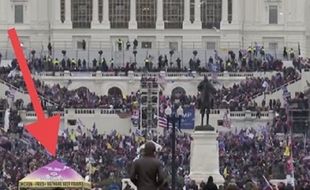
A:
(45, 130)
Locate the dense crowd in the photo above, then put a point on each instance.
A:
(264, 154)
(246, 156)
(250, 60)
(236, 98)
(62, 97)
(240, 95)
(106, 158)
(103, 158)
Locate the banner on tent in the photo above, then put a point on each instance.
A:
(53, 184)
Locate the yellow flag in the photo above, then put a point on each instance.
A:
(287, 151)
(225, 172)
(109, 146)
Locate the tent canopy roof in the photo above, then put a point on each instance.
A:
(54, 174)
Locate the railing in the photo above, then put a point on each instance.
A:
(93, 111)
(184, 51)
(33, 114)
(140, 74)
(251, 115)
(13, 87)
(235, 115)
(24, 92)
(277, 89)
(215, 111)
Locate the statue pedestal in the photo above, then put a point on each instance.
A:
(205, 157)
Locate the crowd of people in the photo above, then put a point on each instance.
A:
(248, 158)
(241, 95)
(104, 159)
(62, 97)
(236, 98)
(264, 155)
(249, 60)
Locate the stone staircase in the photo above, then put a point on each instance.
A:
(298, 85)
(20, 93)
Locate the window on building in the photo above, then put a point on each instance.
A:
(192, 11)
(211, 13)
(146, 13)
(211, 45)
(119, 11)
(273, 14)
(19, 14)
(173, 13)
(62, 11)
(273, 46)
(230, 12)
(173, 46)
(82, 11)
(79, 44)
(146, 45)
(100, 10)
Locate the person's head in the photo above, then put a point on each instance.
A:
(210, 179)
(250, 185)
(232, 186)
(149, 149)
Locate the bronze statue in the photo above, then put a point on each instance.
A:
(206, 91)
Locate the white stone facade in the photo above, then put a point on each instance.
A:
(249, 24)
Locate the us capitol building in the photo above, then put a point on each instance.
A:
(159, 24)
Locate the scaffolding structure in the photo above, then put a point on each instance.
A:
(149, 106)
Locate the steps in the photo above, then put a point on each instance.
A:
(298, 85)
(19, 93)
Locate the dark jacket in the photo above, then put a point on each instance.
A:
(147, 173)
(210, 185)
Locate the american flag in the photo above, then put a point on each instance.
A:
(162, 122)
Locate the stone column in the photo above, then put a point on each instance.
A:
(105, 19)
(259, 9)
(205, 157)
(160, 14)
(187, 23)
(197, 23)
(224, 12)
(57, 16)
(68, 12)
(95, 20)
(300, 12)
(133, 16)
(236, 12)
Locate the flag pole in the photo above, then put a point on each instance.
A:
(291, 144)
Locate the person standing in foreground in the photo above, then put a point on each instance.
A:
(147, 172)
(210, 184)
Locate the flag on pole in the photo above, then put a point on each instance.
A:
(267, 185)
(225, 173)
(162, 122)
(287, 151)
(80, 123)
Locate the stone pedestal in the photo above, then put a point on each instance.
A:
(205, 157)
